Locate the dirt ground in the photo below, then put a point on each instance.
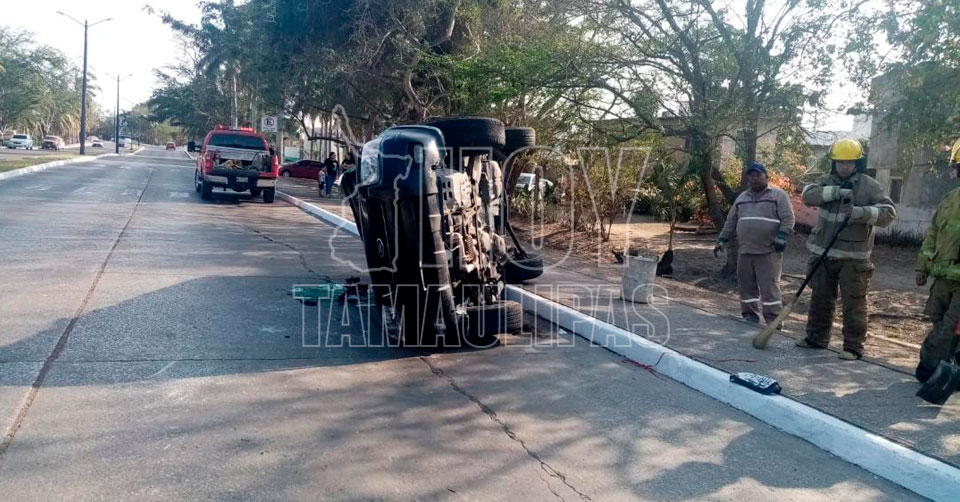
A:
(895, 302)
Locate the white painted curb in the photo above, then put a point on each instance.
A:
(48, 165)
(321, 214)
(919, 473)
(912, 470)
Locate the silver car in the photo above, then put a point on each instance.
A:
(21, 141)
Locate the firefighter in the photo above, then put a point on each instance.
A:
(940, 257)
(846, 193)
(763, 220)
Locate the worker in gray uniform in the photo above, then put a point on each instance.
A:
(762, 218)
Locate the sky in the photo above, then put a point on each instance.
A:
(133, 42)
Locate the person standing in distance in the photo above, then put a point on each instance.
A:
(763, 219)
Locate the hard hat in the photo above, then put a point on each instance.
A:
(955, 153)
(846, 149)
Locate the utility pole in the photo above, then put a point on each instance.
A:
(83, 95)
(83, 92)
(116, 130)
(116, 122)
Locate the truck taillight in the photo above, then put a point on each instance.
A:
(207, 162)
(276, 164)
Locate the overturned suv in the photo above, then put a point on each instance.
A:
(430, 206)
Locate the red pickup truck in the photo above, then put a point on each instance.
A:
(238, 159)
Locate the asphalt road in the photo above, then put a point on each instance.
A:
(149, 350)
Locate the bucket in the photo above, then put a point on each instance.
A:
(639, 273)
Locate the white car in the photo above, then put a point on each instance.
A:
(526, 180)
(21, 141)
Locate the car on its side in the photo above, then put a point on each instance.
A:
(304, 168)
(171, 145)
(52, 143)
(238, 159)
(21, 141)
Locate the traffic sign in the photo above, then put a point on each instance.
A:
(268, 124)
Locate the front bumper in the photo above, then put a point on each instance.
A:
(240, 180)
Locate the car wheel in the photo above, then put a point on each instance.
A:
(517, 270)
(484, 322)
(269, 194)
(285, 174)
(206, 189)
(471, 131)
(519, 137)
(196, 181)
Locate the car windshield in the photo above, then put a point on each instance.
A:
(525, 179)
(233, 140)
(19, 136)
(50, 138)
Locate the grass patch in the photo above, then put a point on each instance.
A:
(9, 165)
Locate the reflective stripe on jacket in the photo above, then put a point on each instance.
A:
(856, 240)
(941, 246)
(757, 218)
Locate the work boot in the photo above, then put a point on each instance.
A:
(804, 343)
(751, 318)
(848, 355)
(923, 373)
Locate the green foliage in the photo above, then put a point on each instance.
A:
(918, 94)
(39, 88)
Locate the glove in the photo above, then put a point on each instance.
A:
(721, 245)
(833, 192)
(780, 241)
(846, 196)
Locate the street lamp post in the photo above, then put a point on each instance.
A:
(116, 120)
(83, 95)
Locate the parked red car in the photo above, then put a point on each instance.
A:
(171, 145)
(237, 159)
(305, 168)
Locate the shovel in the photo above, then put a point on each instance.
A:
(946, 378)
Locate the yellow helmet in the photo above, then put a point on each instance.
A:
(846, 149)
(955, 153)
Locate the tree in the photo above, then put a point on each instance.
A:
(918, 92)
(690, 70)
(39, 88)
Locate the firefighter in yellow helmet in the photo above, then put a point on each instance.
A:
(846, 193)
(940, 257)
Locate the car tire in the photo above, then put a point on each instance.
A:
(285, 174)
(518, 270)
(519, 137)
(256, 192)
(196, 181)
(471, 131)
(206, 189)
(484, 322)
(269, 195)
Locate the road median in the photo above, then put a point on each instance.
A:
(17, 170)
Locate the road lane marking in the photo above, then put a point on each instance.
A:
(179, 195)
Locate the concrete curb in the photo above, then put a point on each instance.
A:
(321, 214)
(910, 469)
(40, 167)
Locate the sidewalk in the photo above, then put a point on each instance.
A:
(875, 394)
